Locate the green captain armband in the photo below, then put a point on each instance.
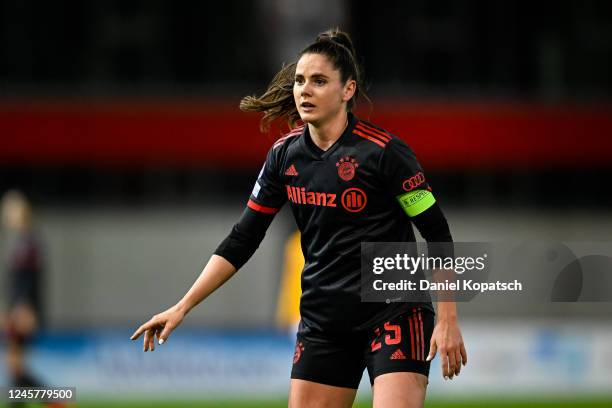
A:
(415, 202)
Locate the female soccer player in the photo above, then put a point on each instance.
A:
(347, 181)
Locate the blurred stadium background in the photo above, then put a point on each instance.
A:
(120, 120)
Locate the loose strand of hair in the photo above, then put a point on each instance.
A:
(277, 101)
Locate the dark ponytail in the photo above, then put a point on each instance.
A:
(277, 102)
(338, 47)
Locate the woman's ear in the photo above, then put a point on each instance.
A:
(349, 90)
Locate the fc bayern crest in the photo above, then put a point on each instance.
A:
(346, 168)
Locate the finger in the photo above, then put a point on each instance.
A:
(452, 364)
(140, 330)
(166, 333)
(145, 340)
(152, 340)
(458, 361)
(463, 354)
(143, 328)
(444, 362)
(149, 338)
(433, 348)
(158, 334)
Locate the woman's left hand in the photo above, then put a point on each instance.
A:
(446, 339)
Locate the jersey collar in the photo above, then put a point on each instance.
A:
(317, 153)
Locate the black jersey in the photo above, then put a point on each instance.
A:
(356, 191)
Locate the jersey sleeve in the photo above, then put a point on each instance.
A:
(268, 195)
(405, 178)
(265, 201)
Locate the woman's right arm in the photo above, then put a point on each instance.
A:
(233, 252)
(267, 198)
(216, 272)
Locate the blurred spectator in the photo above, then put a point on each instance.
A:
(24, 273)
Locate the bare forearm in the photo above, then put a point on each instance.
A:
(447, 311)
(446, 306)
(216, 272)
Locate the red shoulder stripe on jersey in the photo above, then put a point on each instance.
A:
(293, 133)
(370, 138)
(372, 129)
(379, 133)
(262, 209)
(385, 139)
(282, 139)
(374, 135)
(280, 142)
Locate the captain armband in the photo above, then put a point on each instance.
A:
(415, 202)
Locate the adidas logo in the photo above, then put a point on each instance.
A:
(291, 171)
(397, 355)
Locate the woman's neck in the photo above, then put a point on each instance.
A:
(325, 136)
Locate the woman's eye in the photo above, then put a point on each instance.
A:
(299, 80)
(320, 81)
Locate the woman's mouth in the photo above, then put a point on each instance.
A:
(307, 106)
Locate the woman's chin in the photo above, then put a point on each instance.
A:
(309, 118)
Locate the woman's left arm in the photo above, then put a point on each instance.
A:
(446, 337)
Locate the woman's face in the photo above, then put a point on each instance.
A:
(318, 91)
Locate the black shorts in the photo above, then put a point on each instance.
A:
(400, 344)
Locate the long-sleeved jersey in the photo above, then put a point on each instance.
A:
(366, 187)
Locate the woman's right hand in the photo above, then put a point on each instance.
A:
(215, 273)
(160, 326)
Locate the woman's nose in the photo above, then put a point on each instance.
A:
(306, 89)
